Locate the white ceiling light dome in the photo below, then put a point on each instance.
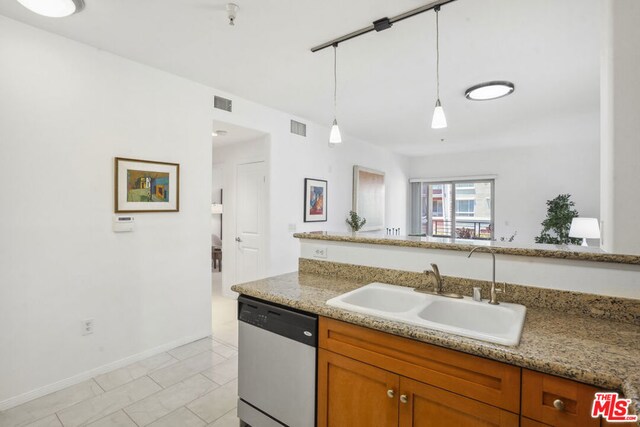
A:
(489, 90)
(53, 8)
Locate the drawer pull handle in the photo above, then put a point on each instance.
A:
(391, 394)
(558, 404)
(403, 398)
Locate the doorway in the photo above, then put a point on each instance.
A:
(239, 218)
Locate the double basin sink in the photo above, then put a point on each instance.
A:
(499, 324)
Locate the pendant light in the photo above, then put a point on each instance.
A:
(439, 120)
(334, 136)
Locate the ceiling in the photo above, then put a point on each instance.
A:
(386, 89)
(234, 134)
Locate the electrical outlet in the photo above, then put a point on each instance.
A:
(87, 326)
(320, 252)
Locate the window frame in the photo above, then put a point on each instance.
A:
(453, 182)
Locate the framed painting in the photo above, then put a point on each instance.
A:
(146, 186)
(315, 200)
(369, 196)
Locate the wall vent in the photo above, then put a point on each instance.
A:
(222, 103)
(298, 128)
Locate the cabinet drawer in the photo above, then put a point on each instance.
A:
(540, 391)
(488, 381)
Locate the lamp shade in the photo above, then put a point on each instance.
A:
(585, 228)
(335, 137)
(439, 120)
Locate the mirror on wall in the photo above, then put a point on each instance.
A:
(369, 197)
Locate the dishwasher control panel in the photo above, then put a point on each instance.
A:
(299, 326)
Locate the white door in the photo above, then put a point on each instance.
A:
(250, 221)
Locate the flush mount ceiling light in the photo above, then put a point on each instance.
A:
(219, 132)
(53, 8)
(335, 137)
(489, 90)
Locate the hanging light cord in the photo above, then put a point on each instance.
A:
(335, 80)
(437, 9)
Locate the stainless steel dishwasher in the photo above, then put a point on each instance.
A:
(277, 350)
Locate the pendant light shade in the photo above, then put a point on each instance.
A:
(439, 120)
(53, 8)
(334, 136)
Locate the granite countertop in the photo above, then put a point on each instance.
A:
(573, 252)
(599, 352)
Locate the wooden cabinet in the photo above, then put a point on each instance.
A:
(557, 401)
(422, 405)
(351, 393)
(369, 378)
(487, 381)
(526, 422)
(355, 394)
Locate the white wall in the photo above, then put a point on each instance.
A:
(526, 178)
(226, 160)
(620, 92)
(293, 158)
(66, 110)
(619, 280)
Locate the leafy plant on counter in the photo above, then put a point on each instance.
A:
(355, 221)
(555, 228)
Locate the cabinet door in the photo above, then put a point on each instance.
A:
(354, 394)
(422, 405)
(557, 401)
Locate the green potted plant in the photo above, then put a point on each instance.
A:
(555, 228)
(355, 221)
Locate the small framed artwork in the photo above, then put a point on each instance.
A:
(146, 186)
(315, 200)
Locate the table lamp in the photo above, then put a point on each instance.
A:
(585, 228)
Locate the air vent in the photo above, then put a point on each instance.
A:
(298, 128)
(222, 103)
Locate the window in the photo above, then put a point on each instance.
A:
(437, 207)
(454, 209)
(465, 207)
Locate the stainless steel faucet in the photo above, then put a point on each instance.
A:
(437, 289)
(494, 291)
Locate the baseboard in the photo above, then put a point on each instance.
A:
(59, 385)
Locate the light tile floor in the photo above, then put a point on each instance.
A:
(194, 385)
